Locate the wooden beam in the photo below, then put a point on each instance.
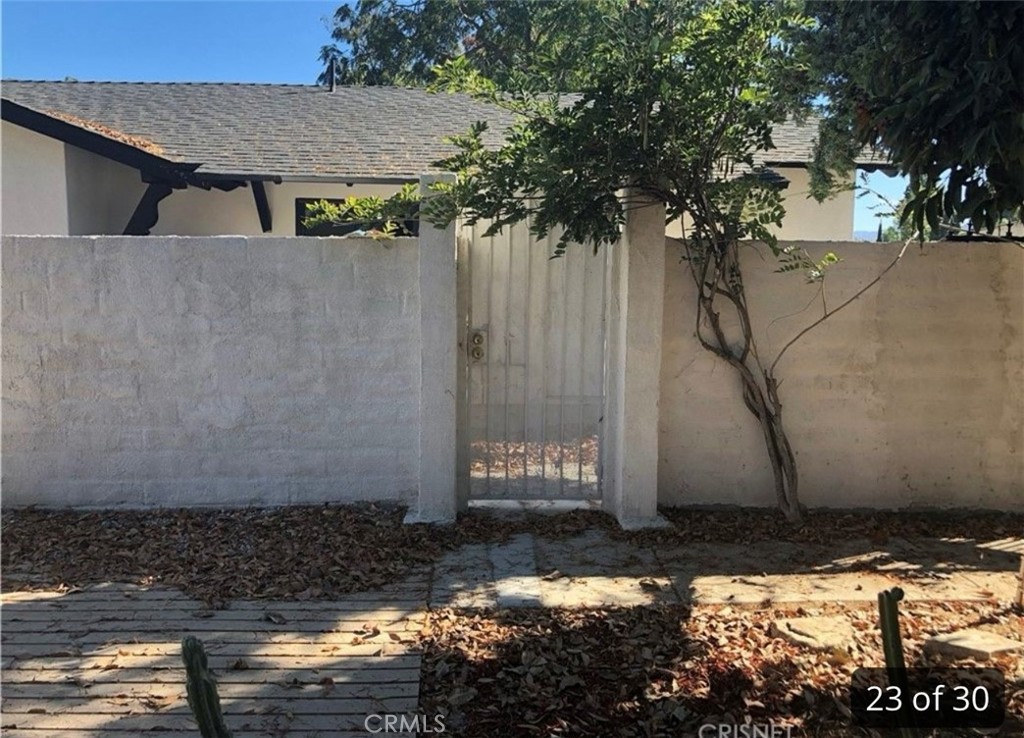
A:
(259, 194)
(146, 213)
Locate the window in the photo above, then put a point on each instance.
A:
(324, 229)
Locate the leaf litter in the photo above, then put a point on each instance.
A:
(324, 551)
(665, 670)
(648, 671)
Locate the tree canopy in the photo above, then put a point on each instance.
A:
(937, 86)
(399, 42)
(678, 98)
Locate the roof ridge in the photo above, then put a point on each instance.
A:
(167, 84)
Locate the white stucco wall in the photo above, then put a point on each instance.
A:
(809, 220)
(911, 396)
(102, 194)
(196, 212)
(34, 193)
(209, 371)
(806, 219)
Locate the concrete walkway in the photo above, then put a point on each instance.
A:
(594, 570)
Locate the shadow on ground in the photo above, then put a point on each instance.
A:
(106, 662)
(645, 671)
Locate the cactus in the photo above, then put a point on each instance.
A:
(202, 690)
(892, 646)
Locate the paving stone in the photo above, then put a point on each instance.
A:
(593, 553)
(972, 643)
(464, 578)
(606, 591)
(773, 557)
(766, 590)
(515, 572)
(819, 633)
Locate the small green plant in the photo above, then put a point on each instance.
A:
(794, 258)
(201, 687)
(383, 218)
(892, 646)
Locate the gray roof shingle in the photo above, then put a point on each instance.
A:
(292, 131)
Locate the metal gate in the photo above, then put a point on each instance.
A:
(535, 365)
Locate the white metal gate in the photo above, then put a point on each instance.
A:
(535, 353)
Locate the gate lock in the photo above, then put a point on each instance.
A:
(477, 344)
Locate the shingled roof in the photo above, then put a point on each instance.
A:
(291, 131)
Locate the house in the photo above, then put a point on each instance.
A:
(90, 158)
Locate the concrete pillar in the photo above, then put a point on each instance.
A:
(439, 339)
(636, 292)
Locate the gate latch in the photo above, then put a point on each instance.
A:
(477, 346)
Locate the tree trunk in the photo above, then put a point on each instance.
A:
(718, 277)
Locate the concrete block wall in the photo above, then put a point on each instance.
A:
(913, 396)
(167, 371)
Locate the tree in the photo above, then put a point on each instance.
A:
(938, 87)
(676, 98)
(904, 230)
(396, 42)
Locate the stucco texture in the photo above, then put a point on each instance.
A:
(913, 396)
(209, 371)
(35, 198)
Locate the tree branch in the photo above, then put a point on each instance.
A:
(830, 313)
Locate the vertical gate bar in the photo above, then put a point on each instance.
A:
(508, 349)
(583, 344)
(475, 374)
(464, 393)
(546, 374)
(563, 373)
(605, 276)
(526, 357)
(487, 365)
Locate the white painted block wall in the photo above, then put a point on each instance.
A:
(209, 371)
(913, 396)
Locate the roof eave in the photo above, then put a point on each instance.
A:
(48, 125)
(349, 179)
(312, 178)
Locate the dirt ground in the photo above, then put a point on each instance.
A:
(665, 670)
(566, 625)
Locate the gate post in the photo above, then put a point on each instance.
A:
(436, 502)
(633, 369)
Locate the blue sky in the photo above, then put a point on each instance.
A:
(165, 41)
(197, 41)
